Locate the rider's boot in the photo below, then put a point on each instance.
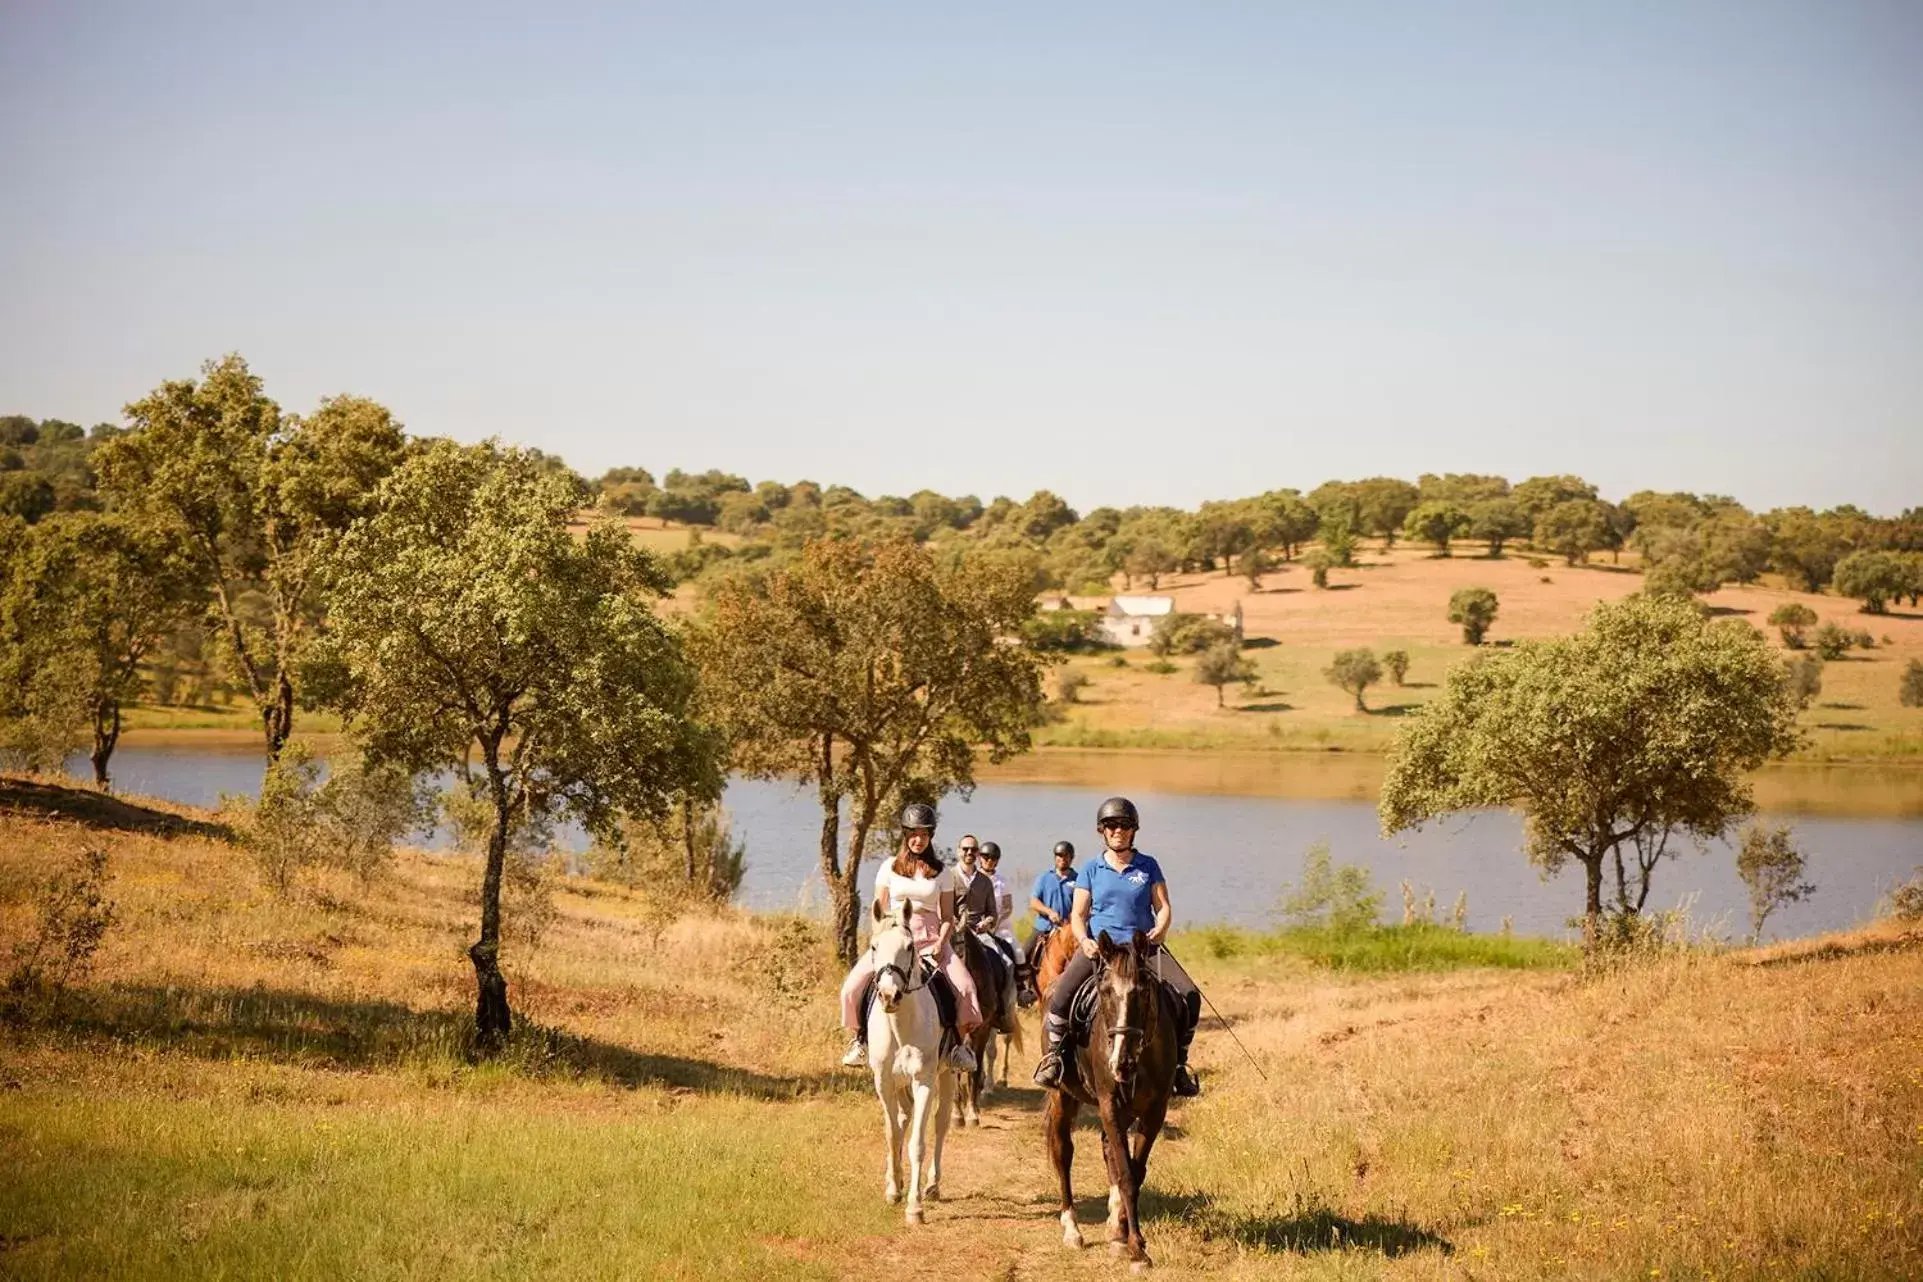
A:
(857, 1053)
(1048, 1072)
(1185, 1081)
(960, 1057)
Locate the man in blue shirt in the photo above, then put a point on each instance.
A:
(1053, 898)
(1121, 892)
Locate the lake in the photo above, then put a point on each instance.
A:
(1231, 829)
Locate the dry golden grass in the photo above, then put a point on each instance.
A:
(1399, 600)
(263, 1086)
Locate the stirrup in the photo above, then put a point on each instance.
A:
(1048, 1071)
(1186, 1083)
(856, 1055)
(961, 1057)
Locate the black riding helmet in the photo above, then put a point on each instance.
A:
(1065, 848)
(918, 815)
(989, 851)
(1118, 808)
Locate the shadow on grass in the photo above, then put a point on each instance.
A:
(1260, 643)
(100, 810)
(1395, 709)
(1307, 1227)
(1725, 611)
(309, 1030)
(1842, 725)
(1277, 706)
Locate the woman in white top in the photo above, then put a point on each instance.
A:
(916, 877)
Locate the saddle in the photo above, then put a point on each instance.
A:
(998, 964)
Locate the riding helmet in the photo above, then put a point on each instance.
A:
(1065, 848)
(919, 815)
(1118, 808)
(989, 850)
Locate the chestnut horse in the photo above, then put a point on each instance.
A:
(1125, 1071)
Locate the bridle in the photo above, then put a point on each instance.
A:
(902, 977)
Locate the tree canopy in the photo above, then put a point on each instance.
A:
(1641, 728)
(875, 672)
(468, 619)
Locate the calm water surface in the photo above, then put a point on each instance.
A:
(1228, 850)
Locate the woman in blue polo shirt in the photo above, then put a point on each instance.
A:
(1121, 892)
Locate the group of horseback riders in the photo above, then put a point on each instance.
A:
(1122, 892)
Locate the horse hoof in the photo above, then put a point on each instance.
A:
(932, 1193)
(915, 1217)
(1117, 1247)
(1142, 1265)
(892, 1196)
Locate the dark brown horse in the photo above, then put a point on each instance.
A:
(999, 1015)
(1126, 1071)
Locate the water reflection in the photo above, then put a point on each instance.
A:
(1230, 829)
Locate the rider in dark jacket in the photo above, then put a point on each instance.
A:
(1121, 891)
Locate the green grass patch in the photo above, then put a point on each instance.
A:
(1384, 949)
(160, 1187)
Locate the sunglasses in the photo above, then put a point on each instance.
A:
(1117, 825)
(966, 850)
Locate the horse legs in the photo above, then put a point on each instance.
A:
(990, 1048)
(917, 1146)
(1124, 1215)
(1147, 1127)
(943, 1105)
(891, 1119)
(1058, 1125)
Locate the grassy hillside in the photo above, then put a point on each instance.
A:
(1399, 600)
(257, 1086)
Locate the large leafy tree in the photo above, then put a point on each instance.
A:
(468, 621)
(1612, 743)
(258, 498)
(876, 673)
(86, 598)
(1875, 578)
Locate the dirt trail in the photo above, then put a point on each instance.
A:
(997, 1215)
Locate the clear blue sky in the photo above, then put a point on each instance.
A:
(1149, 253)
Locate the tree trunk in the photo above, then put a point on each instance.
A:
(687, 835)
(277, 717)
(830, 853)
(491, 1018)
(1592, 903)
(106, 733)
(847, 888)
(1218, 697)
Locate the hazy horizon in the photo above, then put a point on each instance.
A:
(1126, 256)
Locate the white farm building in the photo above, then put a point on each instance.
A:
(1130, 621)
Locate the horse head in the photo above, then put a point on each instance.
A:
(1127, 1005)
(892, 948)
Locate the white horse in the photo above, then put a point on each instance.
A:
(904, 1050)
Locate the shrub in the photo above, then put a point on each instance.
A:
(350, 822)
(1772, 869)
(1319, 563)
(1064, 631)
(1178, 633)
(1905, 902)
(1831, 641)
(1805, 676)
(1341, 897)
(1160, 667)
(1397, 663)
(1222, 664)
(1069, 684)
(1910, 692)
(1792, 620)
(1475, 609)
(1355, 671)
(691, 856)
(1117, 661)
(74, 917)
